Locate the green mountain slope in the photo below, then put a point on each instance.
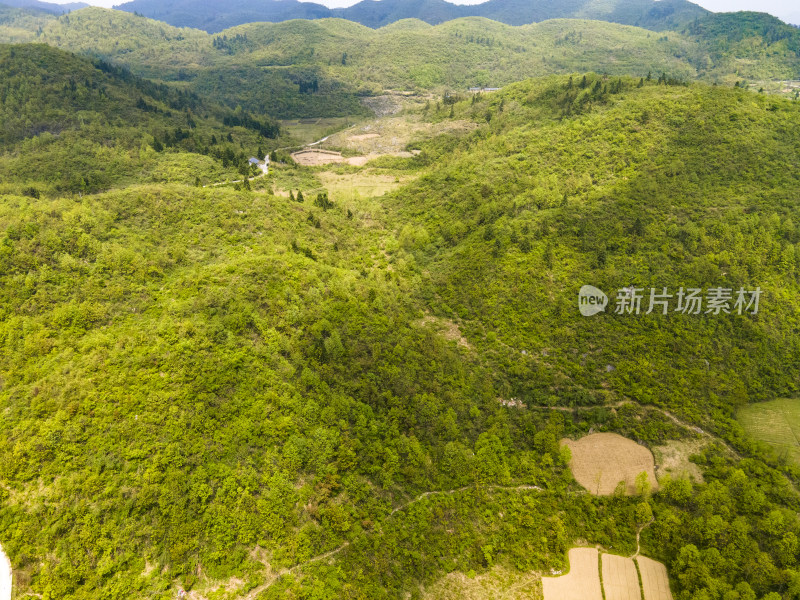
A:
(21, 25)
(79, 125)
(205, 388)
(753, 45)
(321, 68)
(666, 194)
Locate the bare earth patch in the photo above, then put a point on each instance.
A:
(620, 581)
(391, 135)
(654, 579)
(581, 583)
(673, 459)
(315, 158)
(601, 460)
(447, 329)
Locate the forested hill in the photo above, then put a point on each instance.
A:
(81, 125)
(668, 193)
(217, 15)
(48, 7)
(323, 67)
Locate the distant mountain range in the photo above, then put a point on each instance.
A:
(216, 15)
(56, 9)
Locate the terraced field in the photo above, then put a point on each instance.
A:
(620, 580)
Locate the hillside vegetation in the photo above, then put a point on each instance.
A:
(70, 124)
(321, 68)
(206, 387)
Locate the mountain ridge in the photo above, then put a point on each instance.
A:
(49, 7)
(214, 17)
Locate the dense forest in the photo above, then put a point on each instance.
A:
(228, 383)
(70, 124)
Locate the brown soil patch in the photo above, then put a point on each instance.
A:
(601, 460)
(581, 583)
(655, 581)
(315, 158)
(620, 581)
(673, 459)
(312, 158)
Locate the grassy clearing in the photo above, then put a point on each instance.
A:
(776, 423)
(393, 134)
(352, 186)
(673, 458)
(306, 131)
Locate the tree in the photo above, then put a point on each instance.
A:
(642, 484)
(644, 514)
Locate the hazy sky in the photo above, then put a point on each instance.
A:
(788, 10)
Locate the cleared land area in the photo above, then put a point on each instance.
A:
(601, 460)
(366, 183)
(310, 130)
(620, 581)
(655, 581)
(581, 583)
(392, 135)
(673, 459)
(776, 423)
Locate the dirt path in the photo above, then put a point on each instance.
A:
(5, 576)
(639, 534)
(252, 594)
